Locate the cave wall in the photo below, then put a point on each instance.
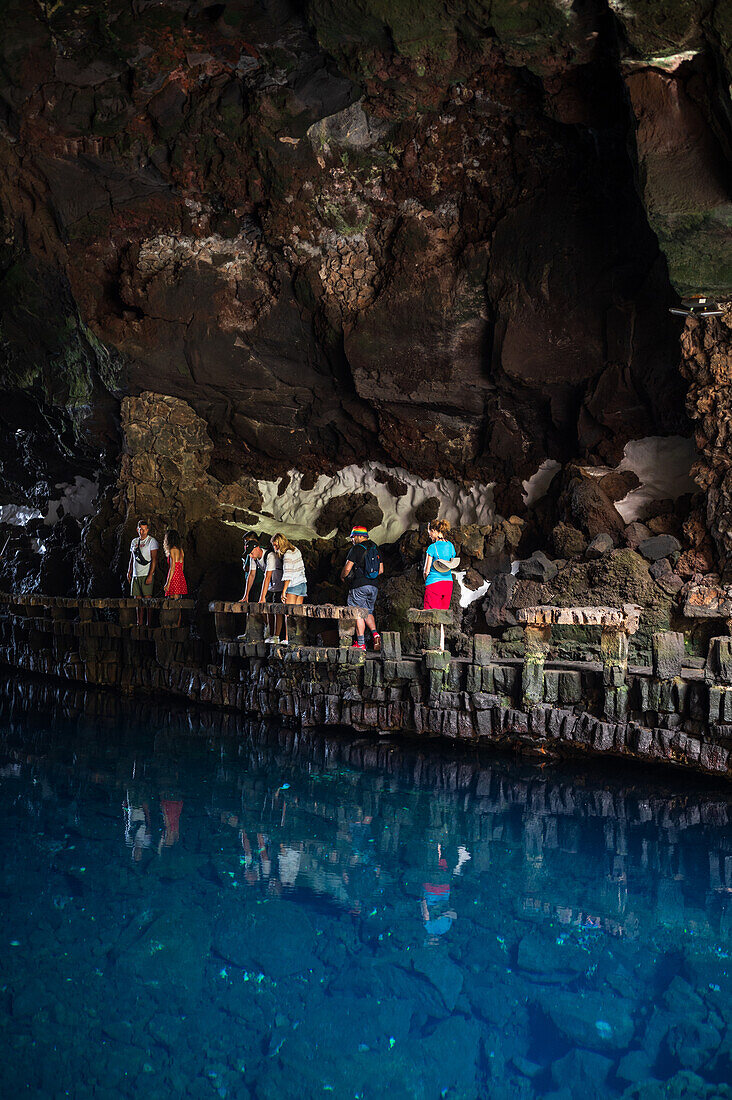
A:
(443, 237)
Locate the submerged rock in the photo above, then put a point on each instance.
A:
(590, 1020)
(582, 1073)
(276, 939)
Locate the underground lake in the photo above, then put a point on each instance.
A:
(196, 905)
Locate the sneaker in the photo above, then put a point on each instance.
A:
(357, 645)
(271, 641)
(377, 643)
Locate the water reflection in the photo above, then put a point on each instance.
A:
(195, 909)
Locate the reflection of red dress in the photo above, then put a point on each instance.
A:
(177, 585)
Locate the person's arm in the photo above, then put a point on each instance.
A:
(250, 581)
(153, 563)
(171, 566)
(427, 566)
(348, 564)
(265, 586)
(130, 567)
(286, 573)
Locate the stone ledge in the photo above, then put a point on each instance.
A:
(626, 619)
(298, 610)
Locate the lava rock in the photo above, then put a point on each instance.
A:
(496, 605)
(590, 1020)
(618, 484)
(441, 972)
(542, 955)
(567, 541)
(601, 544)
(634, 1066)
(427, 510)
(582, 1072)
(636, 533)
(396, 487)
(693, 1043)
(537, 568)
(342, 512)
(278, 939)
(659, 546)
(586, 506)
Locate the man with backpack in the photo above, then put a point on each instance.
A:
(362, 570)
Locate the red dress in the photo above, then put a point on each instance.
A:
(177, 584)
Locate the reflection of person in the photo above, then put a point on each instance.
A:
(141, 570)
(288, 863)
(138, 833)
(437, 918)
(171, 810)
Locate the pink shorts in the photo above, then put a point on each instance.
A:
(437, 595)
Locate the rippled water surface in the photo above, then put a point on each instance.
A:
(195, 907)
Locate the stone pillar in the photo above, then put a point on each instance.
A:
(430, 628)
(614, 654)
(482, 649)
(668, 654)
(437, 667)
(536, 640)
(719, 661)
(297, 629)
(391, 645)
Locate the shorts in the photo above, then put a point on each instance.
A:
(364, 597)
(437, 596)
(297, 589)
(140, 590)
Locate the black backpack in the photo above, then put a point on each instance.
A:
(371, 561)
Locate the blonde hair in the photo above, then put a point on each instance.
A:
(281, 544)
(442, 526)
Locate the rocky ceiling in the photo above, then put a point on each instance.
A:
(443, 234)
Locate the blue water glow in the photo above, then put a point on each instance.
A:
(202, 907)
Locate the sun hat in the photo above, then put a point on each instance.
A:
(445, 565)
(359, 532)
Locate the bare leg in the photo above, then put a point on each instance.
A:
(292, 600)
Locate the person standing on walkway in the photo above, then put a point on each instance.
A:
(141, 570)
(439, 562)
(175, 584)
(362, 570)
(272, 590)
(294, 580)
(253, 566)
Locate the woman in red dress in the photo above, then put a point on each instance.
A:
(175, 585)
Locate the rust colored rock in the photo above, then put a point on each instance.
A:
(618, 484)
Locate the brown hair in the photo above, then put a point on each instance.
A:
(281, 544)
(442, 526)
(173, 539)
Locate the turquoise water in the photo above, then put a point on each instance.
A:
(194, 906)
